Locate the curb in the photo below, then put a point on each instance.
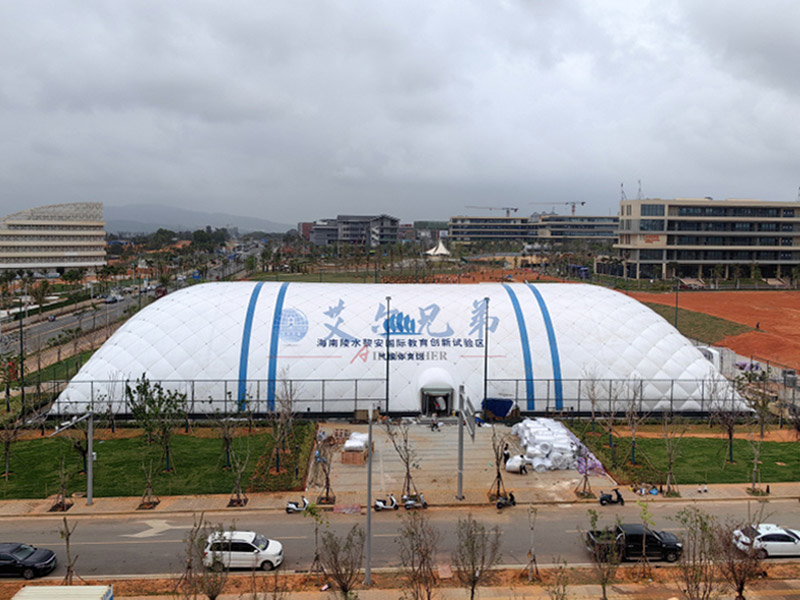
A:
(241, 510)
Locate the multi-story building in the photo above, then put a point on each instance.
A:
(369, 230)
(54, 239)
(463, 229)
(561, 229)
(551, 228)
(691, 237)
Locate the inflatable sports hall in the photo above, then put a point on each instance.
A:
(245, 346)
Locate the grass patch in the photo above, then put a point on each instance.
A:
(700, 326)
(198, 461)
(700, 460)
(62, 370)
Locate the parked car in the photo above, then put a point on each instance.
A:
(768, 539)
(242, 550)
(27, 561)
(657, 545)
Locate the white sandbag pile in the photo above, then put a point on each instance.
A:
(357, 442)
(547, 444)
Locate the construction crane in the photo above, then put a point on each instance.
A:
(508, 209)
(572, 204)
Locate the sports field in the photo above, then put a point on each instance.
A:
(776, 314)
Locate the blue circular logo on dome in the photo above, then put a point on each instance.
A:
(294, 325)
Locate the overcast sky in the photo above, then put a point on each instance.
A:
(298, 110)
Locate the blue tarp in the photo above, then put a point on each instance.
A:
(499, 407)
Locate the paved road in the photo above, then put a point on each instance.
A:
(146, 545)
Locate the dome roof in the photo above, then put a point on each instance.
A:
(549, 346)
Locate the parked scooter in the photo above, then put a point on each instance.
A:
(418, 501)
(390, 504)
(293, 507)
(609, 499)
(504, 501)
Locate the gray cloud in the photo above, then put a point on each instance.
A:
(294, 111)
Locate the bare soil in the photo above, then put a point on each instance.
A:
(244, 584)
(777, 314)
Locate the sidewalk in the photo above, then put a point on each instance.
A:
(437, 479)
(783, 589)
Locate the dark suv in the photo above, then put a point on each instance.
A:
(22, 559)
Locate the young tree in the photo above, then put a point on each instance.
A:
(605, 553)
(645, 572)
(418, 540)
(698, 567)
(672, 431)
(341, 558)
(738, 568)
(398, 436)
(499, 444)
(158, 412)
(608, 415)
(65, 532)
(198, 577)
(635, 414)
(727, 414)
(557, 588)
(477, 551)
(283, 420)
(10, 432)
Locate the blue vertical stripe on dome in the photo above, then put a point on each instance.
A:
(245, 351)
(273, 347)
(526, 348)
(551, 338)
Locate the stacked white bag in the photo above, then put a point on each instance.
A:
(547, 444)
(357, 442)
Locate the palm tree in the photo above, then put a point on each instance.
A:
(39, 293)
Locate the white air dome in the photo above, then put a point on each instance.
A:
(550, 346)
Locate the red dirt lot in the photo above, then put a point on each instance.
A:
(776, 313)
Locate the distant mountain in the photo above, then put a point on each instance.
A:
(147, 218)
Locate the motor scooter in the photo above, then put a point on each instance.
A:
(609, 499)
(417, 501)
(508, 500)
(390, 504)
(293, 507)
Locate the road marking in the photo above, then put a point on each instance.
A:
(390, 535)
(156, 527)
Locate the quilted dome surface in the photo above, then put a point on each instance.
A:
(324, 345)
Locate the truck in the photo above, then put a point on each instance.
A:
(630, 540)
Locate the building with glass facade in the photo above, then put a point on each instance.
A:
(703, 237)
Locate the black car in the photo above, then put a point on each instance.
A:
(25, 560)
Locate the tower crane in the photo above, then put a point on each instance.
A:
(508, 209)
(572, 204)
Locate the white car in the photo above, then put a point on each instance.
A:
(242, 550)
(768, 539)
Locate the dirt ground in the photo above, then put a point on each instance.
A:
(777, 314)
(244, 584)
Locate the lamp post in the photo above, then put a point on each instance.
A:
(368, 568)
(388, 333)
(677, 287)
(486, 349)
(21, 361)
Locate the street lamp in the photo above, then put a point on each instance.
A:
(21, 361)
(677, 287)
(368, 569)
(89, 450)
(486, 348)
(388, 333)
